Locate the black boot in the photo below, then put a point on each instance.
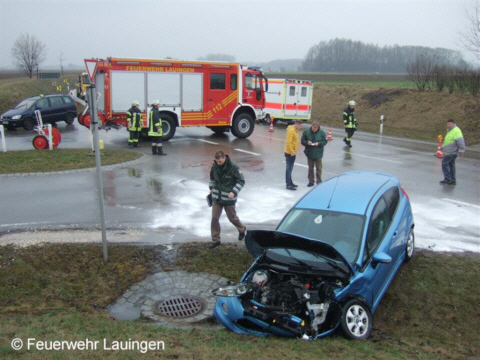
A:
(160, 151)
(154, 150)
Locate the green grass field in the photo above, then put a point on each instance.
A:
(60, 292)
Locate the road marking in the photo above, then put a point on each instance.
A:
(372, 157)
(298, 164)
(247, 152)
(414, 151)
(209, 142)
(270, 137)
(462, 203)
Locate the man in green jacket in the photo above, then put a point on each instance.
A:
(453, 146)
(314, 140)
(226, 181)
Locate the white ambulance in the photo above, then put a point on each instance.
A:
(288, 100)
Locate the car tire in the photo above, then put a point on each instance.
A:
(356, 320)
(168, 127)
(243, 125)
(410, 247)
(29, 123)
(70, 118)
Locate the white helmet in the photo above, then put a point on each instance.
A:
(156, 102)
(352, 103)
(135, 103)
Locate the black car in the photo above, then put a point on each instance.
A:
(53, 108)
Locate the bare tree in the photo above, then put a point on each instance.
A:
(421, 70)
(61, 62)
(28, 53)
(470, 38)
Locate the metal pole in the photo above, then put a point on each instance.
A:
(92, 101)
(4, 145)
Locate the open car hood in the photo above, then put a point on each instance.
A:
(257, 241)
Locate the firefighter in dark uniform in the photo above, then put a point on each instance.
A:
(350, 122)
(134, 119)
(155, 131)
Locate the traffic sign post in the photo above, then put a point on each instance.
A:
(91, 65)
(92, 103)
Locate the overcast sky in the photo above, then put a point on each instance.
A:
(251, 31)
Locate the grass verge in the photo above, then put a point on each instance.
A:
(13, 162)
(59, 292)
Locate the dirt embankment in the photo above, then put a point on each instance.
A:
(409, 113)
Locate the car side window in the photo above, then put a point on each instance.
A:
(377, 227)
(392, 197)
(56, 101)
(42, 104)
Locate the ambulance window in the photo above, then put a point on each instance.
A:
(304, 91)
(217, 81)
(292, 90)
(233, 82)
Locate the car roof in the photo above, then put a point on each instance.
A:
(350, 192)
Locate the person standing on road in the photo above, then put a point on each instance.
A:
(314, 140)
(453, 146)
(226, 181)
(155, 130)
(291, 149)
(134, 120)
(349, 122)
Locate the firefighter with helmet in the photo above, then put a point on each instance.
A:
(134, 119)
(350, 122)
(155, 130)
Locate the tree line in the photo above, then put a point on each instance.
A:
(348, 56)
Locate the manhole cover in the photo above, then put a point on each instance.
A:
(180, 307)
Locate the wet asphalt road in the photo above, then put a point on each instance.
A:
(166, 194)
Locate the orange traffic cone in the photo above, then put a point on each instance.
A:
(271, 125)
(439, 153)
(329, 137)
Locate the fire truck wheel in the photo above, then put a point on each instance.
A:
(40, 142)
(218, 129)
(28, 123)
(168, 127)
(243, 125)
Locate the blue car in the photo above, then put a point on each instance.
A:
(328, 263)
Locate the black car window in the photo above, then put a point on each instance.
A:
(56, 101)
(378, 225)
(67, 100)
(392, 196)
(42, 104)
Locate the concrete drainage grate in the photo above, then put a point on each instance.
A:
(180, 307)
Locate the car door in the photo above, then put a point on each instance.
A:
(43, 105)
(57, 108)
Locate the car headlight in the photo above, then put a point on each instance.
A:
(232, 290)
(16, 117)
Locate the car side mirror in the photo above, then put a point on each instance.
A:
(381, 258)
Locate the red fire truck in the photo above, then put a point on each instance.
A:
(221, 96)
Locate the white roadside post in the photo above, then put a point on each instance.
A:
(50, 142)
(4, 145)
(381, 124)
(92, 101)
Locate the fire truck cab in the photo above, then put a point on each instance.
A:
(288, 100)
(221, 96)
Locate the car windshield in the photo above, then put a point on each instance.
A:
(340, 230)
(25, 104)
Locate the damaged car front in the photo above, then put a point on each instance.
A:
(294, 288)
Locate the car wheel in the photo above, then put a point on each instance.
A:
(168, 127)
(356, 320)
(29, 124)
(243, 125)
(70, 118)
(410, 246)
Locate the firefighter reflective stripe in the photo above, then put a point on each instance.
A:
(349, 119)
(134, 119)
(236, 189)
